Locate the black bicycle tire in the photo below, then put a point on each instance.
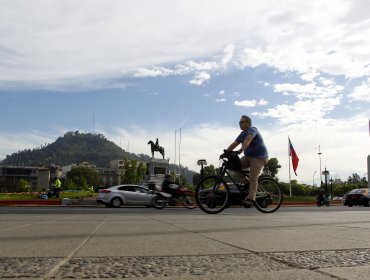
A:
(204, 209)
(186, 204)
(263, 210)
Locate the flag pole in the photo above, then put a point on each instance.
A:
(290, 181)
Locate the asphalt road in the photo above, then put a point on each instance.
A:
(166, 211)
(135, 243)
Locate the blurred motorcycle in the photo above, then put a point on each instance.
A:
(322, 200)
(182, 195)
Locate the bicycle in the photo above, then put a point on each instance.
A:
(212, 194)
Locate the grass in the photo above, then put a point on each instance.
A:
(299, 198)
(64, 194)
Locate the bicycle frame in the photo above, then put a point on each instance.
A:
(224, 172)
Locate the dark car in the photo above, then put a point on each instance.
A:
(357, 197)
(236, 196)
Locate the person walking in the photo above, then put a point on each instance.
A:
(255, 156)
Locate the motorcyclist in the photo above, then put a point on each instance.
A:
(168, 186)
(322, 196)
(57, 186)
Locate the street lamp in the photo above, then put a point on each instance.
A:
(313, 179)
(201, 162)
(319, 153)
(326, 173)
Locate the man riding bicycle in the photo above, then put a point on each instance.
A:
(255, 156)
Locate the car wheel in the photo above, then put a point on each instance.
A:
(158, 202)
(350, 205)
(116, 202)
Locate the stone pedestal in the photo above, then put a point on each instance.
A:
(156, 170)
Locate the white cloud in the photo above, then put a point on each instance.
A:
(246, 103)
(262, 102)
(362, 92)
(310, 76)
(228, 54)
(312, 134)
(301, 111)
(95, 40)
(326, 89)
(200, 79)
(154, 72)
(255, 57)
(220, 100)
(251, 103)
(14, 142)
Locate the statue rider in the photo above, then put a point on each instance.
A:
(156, 144)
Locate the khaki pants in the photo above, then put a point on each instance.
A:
(255, 165)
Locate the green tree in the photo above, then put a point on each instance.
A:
(83, 177)
(69, 185)
(272, 167)
(24, 185)
(134, 171)
(355, 178)
(207, 171)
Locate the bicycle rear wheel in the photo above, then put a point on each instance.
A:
(189, 201)
(269, 195)
(212, 195)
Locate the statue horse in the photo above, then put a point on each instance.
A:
(156, 148)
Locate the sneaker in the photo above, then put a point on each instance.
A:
(248, 203)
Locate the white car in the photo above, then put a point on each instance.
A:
(125, 195)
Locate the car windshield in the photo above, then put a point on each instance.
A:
(357, 191)
(141, 190)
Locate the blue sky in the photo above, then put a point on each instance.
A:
(140, 70)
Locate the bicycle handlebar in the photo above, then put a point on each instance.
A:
(227, 154)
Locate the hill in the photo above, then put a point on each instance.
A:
(76, 147)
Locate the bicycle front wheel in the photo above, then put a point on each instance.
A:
(212, 195)
(269, 195)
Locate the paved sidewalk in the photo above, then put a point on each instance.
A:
(187, 244)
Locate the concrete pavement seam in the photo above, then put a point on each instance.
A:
(260, 254)
(53, 271)
(199, 233)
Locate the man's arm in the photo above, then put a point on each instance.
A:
(233, 145)
(246, 142)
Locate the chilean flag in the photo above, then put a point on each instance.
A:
(294, 156)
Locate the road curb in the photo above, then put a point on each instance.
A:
(37, 202)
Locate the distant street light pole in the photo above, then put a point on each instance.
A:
(319, 153)
(313, 179)
(201, 162)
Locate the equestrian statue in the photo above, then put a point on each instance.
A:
(156, 148)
